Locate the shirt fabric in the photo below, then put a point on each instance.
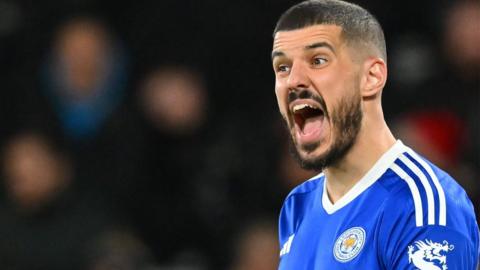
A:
(405, 213)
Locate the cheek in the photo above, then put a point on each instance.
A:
(332, 89)
(281, 99)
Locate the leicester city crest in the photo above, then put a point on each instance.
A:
(349, 244)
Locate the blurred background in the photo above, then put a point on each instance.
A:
(145, 134)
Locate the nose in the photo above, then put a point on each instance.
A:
(297, 78)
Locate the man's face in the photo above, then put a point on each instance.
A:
(317, 89)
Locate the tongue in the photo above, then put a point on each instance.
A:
(312, 124)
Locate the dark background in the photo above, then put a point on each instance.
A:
(147, 196)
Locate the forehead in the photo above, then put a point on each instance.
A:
(299, 38)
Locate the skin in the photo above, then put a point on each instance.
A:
(317, 58)
(34, 173)
(82, 46)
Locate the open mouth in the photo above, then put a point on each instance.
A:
(308, 117)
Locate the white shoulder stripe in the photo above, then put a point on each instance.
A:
(426, 185)
(417, 200)
(441, 193)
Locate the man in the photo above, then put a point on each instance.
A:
(377, 204)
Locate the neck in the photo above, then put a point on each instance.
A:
(373, 140)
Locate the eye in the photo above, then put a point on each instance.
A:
(318, 61)
(283, 68)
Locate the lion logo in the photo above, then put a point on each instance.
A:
(429, 255)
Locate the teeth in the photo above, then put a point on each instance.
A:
(302, 106)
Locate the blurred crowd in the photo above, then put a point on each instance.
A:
(146, 135)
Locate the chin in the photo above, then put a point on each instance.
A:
(311, 157)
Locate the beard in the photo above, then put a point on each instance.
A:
(346, 122)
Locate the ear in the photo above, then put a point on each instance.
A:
(375, 77)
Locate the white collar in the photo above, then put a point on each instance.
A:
(367, 180)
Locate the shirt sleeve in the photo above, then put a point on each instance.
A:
(285, 224)
(404, 245)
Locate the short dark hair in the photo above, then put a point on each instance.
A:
(358, 25)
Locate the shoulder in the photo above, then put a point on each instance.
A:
(298, 199)
(425, 205)
(296, 204)
(307, 187)
(426, 191)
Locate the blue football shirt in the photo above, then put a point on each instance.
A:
(405, 213)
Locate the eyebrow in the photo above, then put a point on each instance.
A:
(308, 47)
(320, 45)
(277, 54)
